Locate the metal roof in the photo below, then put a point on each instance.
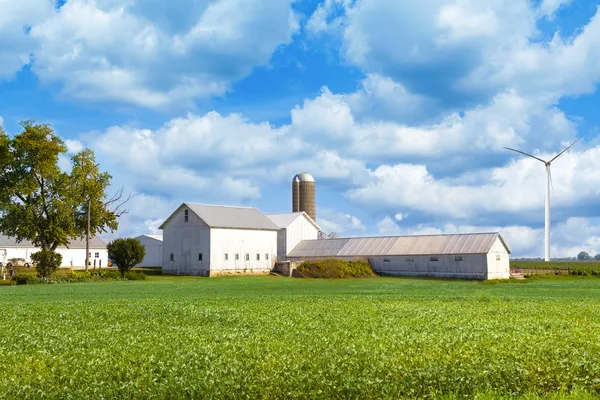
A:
(303, 177)
(95, 243)
(284, 220)
(471, 243)
(155, 237)
(229, 217)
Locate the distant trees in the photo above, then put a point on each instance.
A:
(583, 256)
(597, 257)
(126, 253)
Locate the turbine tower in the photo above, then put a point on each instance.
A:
(548, 184)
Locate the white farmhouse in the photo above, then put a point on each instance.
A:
(471, 256)
(154, 250)
(73, 256)
(210, 240)
(293, 228)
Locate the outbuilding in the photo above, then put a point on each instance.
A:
(293, 228)
(470, 256)
(210, 240)
(154, 249)
(72, 256)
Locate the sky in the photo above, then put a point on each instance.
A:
(400, 110)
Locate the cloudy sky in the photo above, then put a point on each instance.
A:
(399, 109)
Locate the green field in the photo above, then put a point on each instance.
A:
(583, 265)
(270, 337)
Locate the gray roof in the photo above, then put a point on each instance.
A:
(229, 217)
(95, 243)
(154, 237)
(284, 220)
(472, 243)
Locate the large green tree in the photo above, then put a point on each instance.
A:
(44, 204)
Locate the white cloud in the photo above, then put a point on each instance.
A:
(332, 221)
(549, 7)
(400, 216)
(137, 52)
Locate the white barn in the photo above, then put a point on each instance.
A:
(293, 228)
(154, 250)
(73, 256)
(470, 256)
(211, 240)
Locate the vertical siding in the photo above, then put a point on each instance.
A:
(299, 230)
(242, 241)
(154, 253)
(282, 244)
(498, 269)
(77, 256)
(471, 267)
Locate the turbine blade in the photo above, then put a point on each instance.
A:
(528, 155)
(561, 153)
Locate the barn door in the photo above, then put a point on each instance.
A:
(187, 263)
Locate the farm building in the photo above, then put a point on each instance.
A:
(470, 256)
(209, 240)
(73, 256)
(293, 228)
(154, 250)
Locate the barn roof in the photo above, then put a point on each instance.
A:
(229, 217)
(284, 220)
(95, 243)
(471, 243)
(153, 237)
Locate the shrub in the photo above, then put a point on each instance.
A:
(76, 276)
(136, 276)
(46, 262)
(331, 269)
(7, 282)
(126, 253)
(585, 272)
(24, 279)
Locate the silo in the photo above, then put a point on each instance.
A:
(303, 194)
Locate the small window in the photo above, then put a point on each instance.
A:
(258, 257)
(226, 257)
(186, 216)
(498, 257)
(266, 256)
(247, 257)
(97, 255)
(433, 259)
(237, 256)
(410, 259)
(458, 258)
(171, 257)
(199, 256)
(386, 260)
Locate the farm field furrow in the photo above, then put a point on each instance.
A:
(269, 337)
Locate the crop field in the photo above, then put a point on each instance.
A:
(270, 337)
(563, 265)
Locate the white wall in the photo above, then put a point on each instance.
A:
(154, 251)
(473, 266)
(186, 241)
(242, 242)
(498, 261)
(76, 256)
(299, 230)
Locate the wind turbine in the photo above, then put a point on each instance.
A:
(548, 184)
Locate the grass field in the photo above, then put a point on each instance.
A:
(582, 265)
(269, 337)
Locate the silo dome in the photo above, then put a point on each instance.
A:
(304, 177)
(303, 194)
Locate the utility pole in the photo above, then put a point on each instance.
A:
(87, 239)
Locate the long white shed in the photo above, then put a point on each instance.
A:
(470, 256)
(293, 228)
(154, 250)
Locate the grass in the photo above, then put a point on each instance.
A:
(591, 265)
(270, 337)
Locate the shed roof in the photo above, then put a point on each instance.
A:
(154, 237)
(284, 220)
(95, 243)
(471, 243)
(230, 217)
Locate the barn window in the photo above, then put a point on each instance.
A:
(410, 259)
(171, 257)
(186, 216)
(266, 256)
(458, 258)
(97, 255)
(258, 257)
(247, 257)
(498, 257)
(387, 260)
(226, 257)
(199, 256)
(237, 256)
(433, 259)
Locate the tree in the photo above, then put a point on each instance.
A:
(597, 257)
(40, 202)
(126, 253)
(583, 256)
(46, 262)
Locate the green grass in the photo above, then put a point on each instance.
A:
(270, 337)
(591, 265)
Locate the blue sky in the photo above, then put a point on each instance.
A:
(399, 109)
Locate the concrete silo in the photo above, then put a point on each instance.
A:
(303, 195)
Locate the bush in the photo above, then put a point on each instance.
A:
(585, 272)
(89, 276)
(7, 282)
(126, 253)
(25, 279)
(332, 269)
(136, 276)
(46, 262)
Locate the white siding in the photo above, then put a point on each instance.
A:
(70, 257)
(299, 230)
(242, 242)
(498, 269)
(186, 241)
(472, 266)
(154, 252)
